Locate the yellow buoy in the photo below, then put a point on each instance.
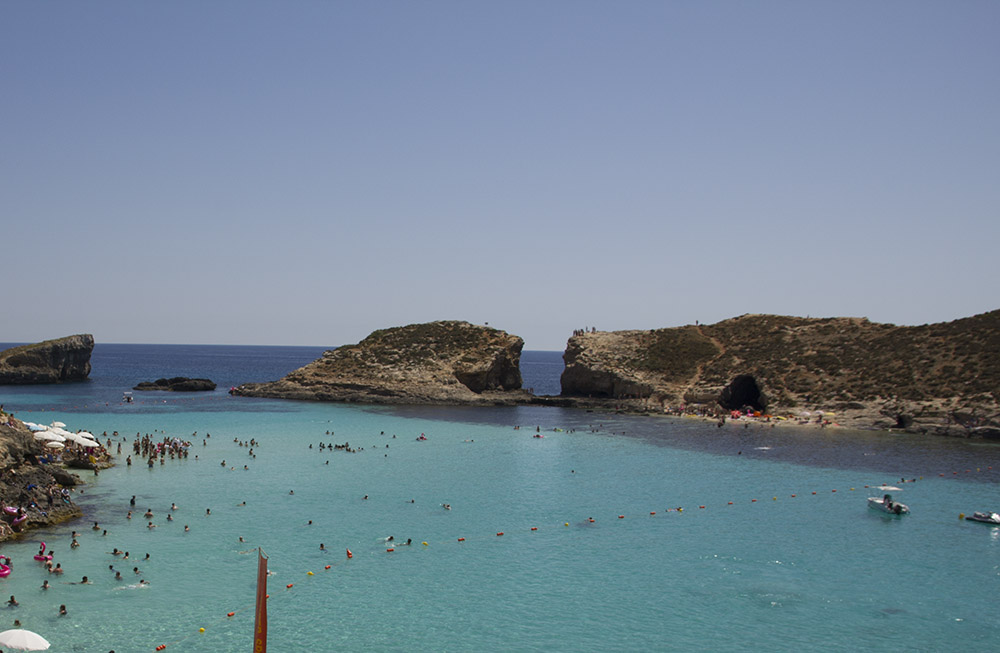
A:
(961, 515)
(201, 630)
(566, 524)
(309, 573)
(425, 543)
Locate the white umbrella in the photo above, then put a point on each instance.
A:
(23, 640)
(86, 434)
(54, 445)
(59, 424)
(50, 436)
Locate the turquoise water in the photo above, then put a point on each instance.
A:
(811, 572)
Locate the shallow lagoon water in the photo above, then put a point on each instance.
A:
(811, 572)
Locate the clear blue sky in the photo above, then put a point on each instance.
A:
(306, 172)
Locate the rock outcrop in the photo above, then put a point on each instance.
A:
(25, 482)
(52, 361)
(937, 378)
(434, 363)
(177, 384)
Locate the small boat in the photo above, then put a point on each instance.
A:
(985, 517)
(887, 505)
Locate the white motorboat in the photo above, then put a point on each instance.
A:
(887, 505)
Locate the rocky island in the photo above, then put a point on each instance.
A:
(447, 362)
(51, 361)
(177, 384)
(937, 378)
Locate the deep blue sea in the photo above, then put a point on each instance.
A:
(784, 555)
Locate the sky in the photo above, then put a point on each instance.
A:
(303, 173)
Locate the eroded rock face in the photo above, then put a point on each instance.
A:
(936, 378)
(24, 481)
(444, 362)
(51, 361)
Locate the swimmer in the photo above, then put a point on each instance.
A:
(208, 511)
(170, 517)
(148, 514)
(322, 547)
(95, 527)
(150, 525)
(187, 529)
(173, 506)
(74, 544)
(62, 610)
(45, 585)
(13, 602)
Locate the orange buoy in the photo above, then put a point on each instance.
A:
(730, 503)
(461, 539)
(793, 496)
(389, 550)
(653, 512)
(349, 554)
(621, 516)
(814, 493)
(500, 533)
(702, 507)
(833, 490)
(230, 614)
(326, 567)
(289, 586)
(753, 500)
(534, 528)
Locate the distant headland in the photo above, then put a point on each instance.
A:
(937, 378)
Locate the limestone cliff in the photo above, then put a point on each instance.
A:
(434, 363)
(51, 361)
(941, 378)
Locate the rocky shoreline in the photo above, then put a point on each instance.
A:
(43, 492)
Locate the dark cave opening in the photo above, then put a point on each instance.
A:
(742, 391)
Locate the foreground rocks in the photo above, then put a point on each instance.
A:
(25, 482)
(937, 378)
(446, 362)
(177, 384)
(51, 361)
